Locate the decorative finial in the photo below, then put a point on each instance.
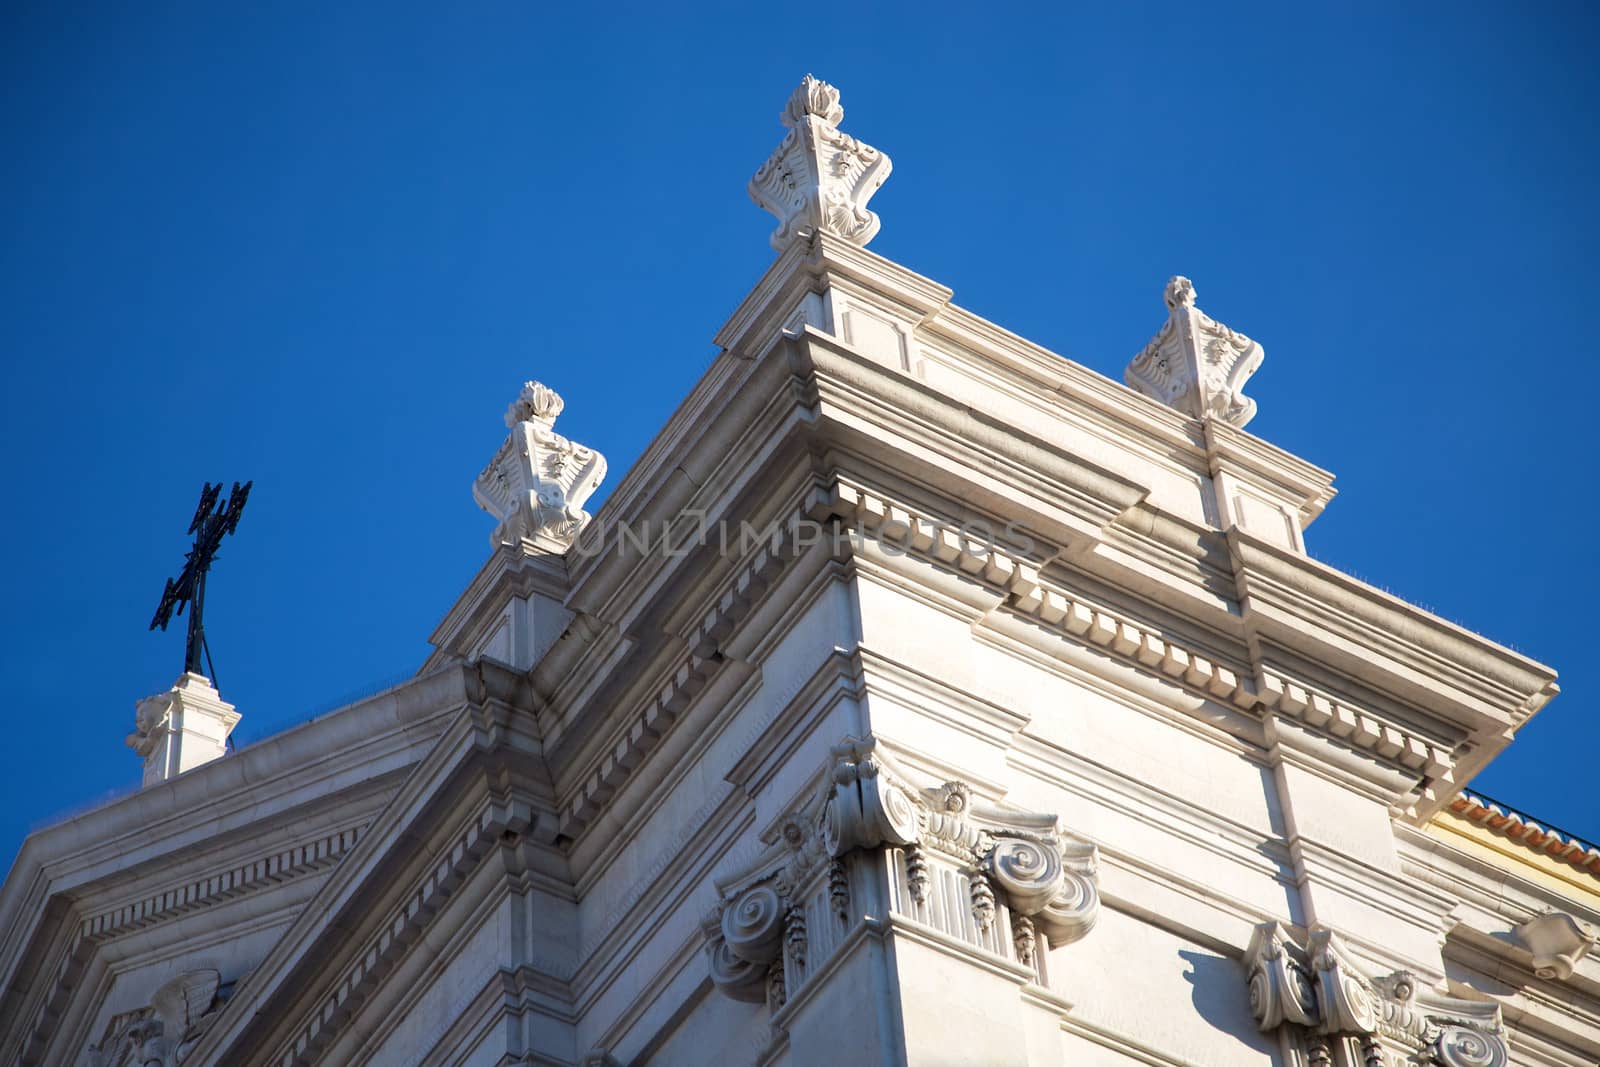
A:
(813, 97)
(536, 403)
(819, 179)
(1196, 364)
(538, 481)
(1180, 293)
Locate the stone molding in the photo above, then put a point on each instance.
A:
(1195, 364)
(749, 584)
(819, 180)
(259, 874)
(1027, 886)
(1144, 646)
(404, 925)
(646, 728)
(68, 971)
(1319, 990)
(1355, 727)
(256, 876)
(538, 481)
(1018, 580)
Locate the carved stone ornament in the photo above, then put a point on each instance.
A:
(161, 1033)
(1321, 990)
(1557, 941)
(819, 179)
(538, 481)
(152, 720)
(1196, 364)
(779, 917)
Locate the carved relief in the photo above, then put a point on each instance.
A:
(538, 481)
(1196, 364)
(1323, 990)
(819, 179)
(161, 1033)
(152, 720)
(1012, 864)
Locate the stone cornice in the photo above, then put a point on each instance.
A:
(1025, 372)
(645, 728)
(1152, 648)
(1474, 693)
(402, 925)
(1230, 448)
(260, 874)
(483, 779)
(1352, 622)
(693, 452)
(874, 409)
(705, 624)
(236, 881)
(362, 748)
(507, 573)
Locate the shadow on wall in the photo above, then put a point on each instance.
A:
(1221, 996)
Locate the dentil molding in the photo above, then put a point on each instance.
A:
(1005, 881)
(538, 481)
(819, 179)
(1342, 1015)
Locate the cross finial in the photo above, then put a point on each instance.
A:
(819, 179)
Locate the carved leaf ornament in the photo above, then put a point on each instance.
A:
(1323, 993)
(761, 935)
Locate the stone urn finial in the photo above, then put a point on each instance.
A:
(538, 481)
(819, 179)
(1195, 363)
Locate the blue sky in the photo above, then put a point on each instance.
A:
(321, 245)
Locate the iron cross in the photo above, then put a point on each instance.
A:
(212, 522)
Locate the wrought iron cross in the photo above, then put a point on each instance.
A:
(212, 522)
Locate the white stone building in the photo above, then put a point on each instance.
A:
(918, 697)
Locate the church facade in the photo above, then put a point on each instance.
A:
(918, 697)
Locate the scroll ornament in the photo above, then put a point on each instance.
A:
(1556, 941)
(1195, 363)
(1320, 989)
(818, 179)
(758, 924)
(538, 481)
